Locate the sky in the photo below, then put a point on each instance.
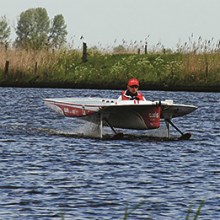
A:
(109, 23)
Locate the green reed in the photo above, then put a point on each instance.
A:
(193, 66)
(190, 215)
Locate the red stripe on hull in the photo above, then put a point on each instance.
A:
(70, 111)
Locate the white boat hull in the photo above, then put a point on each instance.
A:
(130, 114)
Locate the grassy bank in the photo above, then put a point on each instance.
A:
(156, 71)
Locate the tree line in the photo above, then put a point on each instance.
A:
(35, 30)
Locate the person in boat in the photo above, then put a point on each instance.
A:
(132, 92)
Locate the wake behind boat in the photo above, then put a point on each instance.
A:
(116, 113)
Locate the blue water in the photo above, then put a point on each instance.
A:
(49, 171)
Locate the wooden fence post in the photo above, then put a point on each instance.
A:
(84, 55)
(35, 68)
(206, 67)
(145, 49)
(6, 67)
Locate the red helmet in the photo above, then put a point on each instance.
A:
(133, 82)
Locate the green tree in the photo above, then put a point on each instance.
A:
(33, 29)
(5, 31)
(58, 32)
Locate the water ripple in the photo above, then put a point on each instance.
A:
(52, 168)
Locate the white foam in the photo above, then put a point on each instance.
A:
(89, 129)
(161, 132)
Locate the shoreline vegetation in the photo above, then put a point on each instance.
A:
(40, 56)
(96, 69)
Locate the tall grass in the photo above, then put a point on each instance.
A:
(193, 65)
(191, 215)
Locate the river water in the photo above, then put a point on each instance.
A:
(49, 171)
